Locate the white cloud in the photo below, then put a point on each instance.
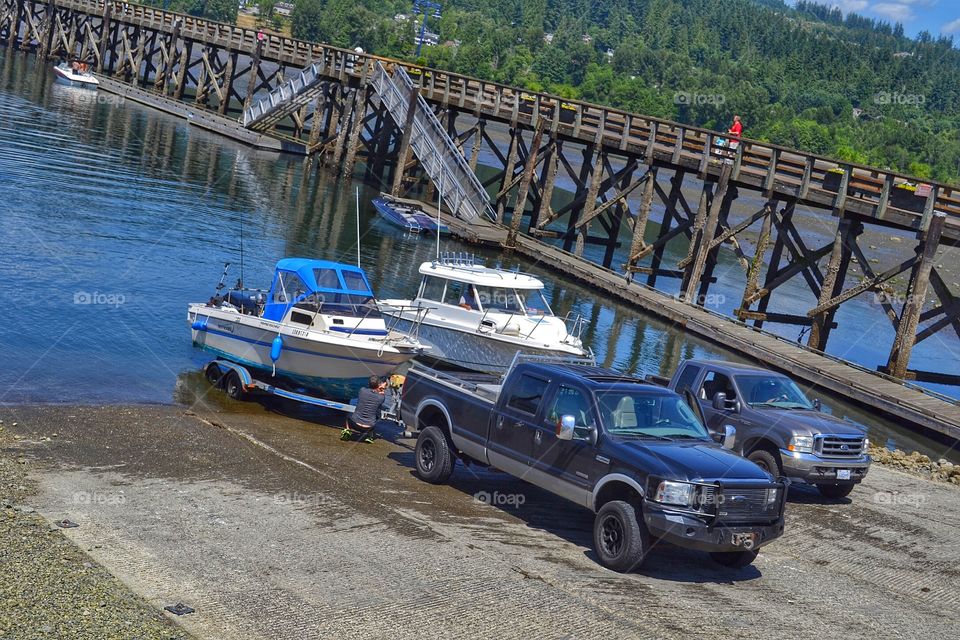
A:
(895, 11)
(951, 27)
(846, 6)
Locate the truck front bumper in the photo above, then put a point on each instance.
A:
(814, 469)
(691, 532)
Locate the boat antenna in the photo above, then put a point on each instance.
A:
(358, 226)
(240, 281)
(439, 204)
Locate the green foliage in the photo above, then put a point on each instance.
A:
(794, 74)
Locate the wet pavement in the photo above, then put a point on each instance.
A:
(270, 527)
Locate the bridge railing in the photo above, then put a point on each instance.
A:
(664, 139)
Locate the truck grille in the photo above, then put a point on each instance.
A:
(748, 504)
(839, 446)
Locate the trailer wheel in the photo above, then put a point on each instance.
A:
(213, 373)
(433, 456)
(233, 386)
(620, 537)
(734, 559)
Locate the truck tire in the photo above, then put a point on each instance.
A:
(835, 490)
(433, 457)
(620, 537)
(766, 461)
(734, 559)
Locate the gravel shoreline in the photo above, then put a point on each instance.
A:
(917, 464)
(50, 588)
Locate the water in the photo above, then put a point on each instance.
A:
(116, 216)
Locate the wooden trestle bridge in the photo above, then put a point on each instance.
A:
(639, 183)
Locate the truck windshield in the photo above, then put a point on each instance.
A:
(772, 391)
(633, 414)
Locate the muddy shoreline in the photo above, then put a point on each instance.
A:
(270, 527)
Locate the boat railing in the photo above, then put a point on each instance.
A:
(574, 324)
(396, 317)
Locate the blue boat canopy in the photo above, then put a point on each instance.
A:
(331, 287)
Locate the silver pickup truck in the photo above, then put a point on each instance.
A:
(778, 427)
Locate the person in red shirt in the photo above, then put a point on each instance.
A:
(736, 129)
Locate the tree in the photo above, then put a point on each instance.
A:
(306, 20)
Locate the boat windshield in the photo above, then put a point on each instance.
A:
(499, 299)
(340, 304)
(632, 414)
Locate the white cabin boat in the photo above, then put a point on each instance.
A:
(318, 326)
(75, 77)
(479, 317)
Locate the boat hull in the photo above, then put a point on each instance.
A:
(336, 367)
(76, 80)
(478, 351)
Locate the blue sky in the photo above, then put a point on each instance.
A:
(936, 16)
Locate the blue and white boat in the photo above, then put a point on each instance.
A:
(318, 326)
(405, 216)
(81, 76)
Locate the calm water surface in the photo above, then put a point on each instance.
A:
(116, 216)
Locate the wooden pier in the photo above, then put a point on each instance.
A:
(632, 177)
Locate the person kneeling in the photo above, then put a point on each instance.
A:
(365, 415)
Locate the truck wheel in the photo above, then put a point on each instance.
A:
(433, 456)
(620, 537)
(734, 559)
(835, 490)
(766, 461)
(233, 386)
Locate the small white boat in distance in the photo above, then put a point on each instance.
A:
(479, 317)
(78, 74)
(318, 327)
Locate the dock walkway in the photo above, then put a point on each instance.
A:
(902, 401)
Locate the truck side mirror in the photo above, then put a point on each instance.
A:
(729, 436)
(720, 401)
(565, 428)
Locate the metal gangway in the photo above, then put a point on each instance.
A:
(459, 186)
(285, 99)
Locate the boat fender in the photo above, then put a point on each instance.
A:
(199, 324)
(512, 329)
(276, 348)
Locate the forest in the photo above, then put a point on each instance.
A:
(804, 76)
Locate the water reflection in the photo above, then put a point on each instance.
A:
(109, 199)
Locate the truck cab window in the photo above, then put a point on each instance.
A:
(714, 383)
(687, 377)
(528, 394)
(572, 402)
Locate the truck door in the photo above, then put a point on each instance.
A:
(567, 467)
(510, 444)
(714, 382)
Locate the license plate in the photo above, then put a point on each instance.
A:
(843, 474)
(744, 539)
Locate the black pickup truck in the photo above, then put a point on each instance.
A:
(636, 454)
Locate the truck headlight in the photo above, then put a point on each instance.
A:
(801, 444)
(773, 497)
(679, 493)
(866, 446)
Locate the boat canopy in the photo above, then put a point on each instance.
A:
(480, 275)
(331, 287)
